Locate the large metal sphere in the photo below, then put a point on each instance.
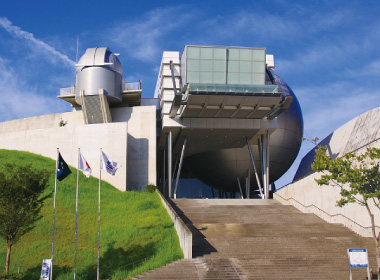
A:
(221, 168)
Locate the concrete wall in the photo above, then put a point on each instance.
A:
(184, 234)
(142, 136)
(306, 195)
(130, 141)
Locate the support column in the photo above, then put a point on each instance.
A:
(254, 167)
(170, 194)
(179, 168)
(241, 192)
(265, 163)
(163, 175)
(249, 183)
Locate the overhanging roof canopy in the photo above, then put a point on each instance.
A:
(230, 101)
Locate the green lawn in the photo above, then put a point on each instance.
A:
(135, 227)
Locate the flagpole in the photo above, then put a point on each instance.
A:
(100, 179)
(55, 195)
(76, 219)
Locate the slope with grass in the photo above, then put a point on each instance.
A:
(136, 232)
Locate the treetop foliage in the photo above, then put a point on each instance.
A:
(22, 195)
(357, 175)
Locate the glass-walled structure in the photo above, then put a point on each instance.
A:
(223, 65)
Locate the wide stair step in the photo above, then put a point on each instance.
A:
(256, 239)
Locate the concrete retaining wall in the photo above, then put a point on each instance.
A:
(184, 234)
(306, 195)
(130, 141)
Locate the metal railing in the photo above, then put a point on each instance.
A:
(132, 86)
(324, 212)
(67, 91)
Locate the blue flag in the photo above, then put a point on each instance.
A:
(63, 169)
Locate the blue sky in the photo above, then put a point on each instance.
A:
(327, 51)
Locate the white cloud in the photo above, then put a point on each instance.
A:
(19, 100)
(144, 39)
(19, 33)
(372, 69)
(327, 107)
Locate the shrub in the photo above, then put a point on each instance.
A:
(150, 188)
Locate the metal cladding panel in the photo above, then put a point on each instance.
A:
(92, 79)
(93, 110)
(87, 59)
(99, 57)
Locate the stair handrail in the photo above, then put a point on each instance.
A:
(328, 214)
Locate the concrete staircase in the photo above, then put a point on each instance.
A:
(259, 239)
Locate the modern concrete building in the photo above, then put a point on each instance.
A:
(228, 118)
(220, 116)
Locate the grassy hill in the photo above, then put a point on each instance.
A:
(136, 232)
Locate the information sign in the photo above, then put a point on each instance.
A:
(358, 258)
(46, 267)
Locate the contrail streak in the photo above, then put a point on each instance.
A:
(18, 32)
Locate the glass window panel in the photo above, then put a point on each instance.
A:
(219, 65)
(233, 78)
(193, 77)
(258, 67)
(258, 55)
(245, 54)
(233, 54)
(245, 78)
(245, 66)
(206, 77)
(206, 65)
(233, 66)
(192, 65)
(219, 53)
(219, 78)
(193, 52)
(206, 53)
(258, 79)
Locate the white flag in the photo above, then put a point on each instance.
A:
(83, 165)
(109, 165)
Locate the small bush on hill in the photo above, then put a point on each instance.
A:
(150, 188)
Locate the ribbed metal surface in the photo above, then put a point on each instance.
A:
(93, 109)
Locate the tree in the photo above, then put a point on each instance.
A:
(357, 176)
(21, 199)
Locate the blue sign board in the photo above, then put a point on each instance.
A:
(358, 257)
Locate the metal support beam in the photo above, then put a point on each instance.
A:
(241, 191)
(249, 183)
(179, 168)
(170, 150)
(246, 188)
(265, 163)
(254, 167)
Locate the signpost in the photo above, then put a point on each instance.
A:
(46, 267)
(358, 258)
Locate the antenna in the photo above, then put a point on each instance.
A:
(76, 59)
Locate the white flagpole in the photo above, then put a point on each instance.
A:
(76, 219)
(55, 194)
(100, 179)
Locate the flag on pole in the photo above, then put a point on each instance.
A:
(84, 166)
(108, 164)
(63, 169)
